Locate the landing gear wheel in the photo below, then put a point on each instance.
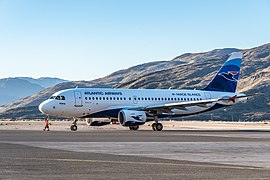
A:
(73, 127)
(133, 128)
(154, 126)
(159, 127)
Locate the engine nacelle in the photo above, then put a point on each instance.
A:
(92, 122)
(88, 121)
(131, 118)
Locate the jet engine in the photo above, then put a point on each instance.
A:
(131, 118)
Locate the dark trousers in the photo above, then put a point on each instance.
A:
(46, 127)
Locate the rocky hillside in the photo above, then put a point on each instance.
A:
(188, 71)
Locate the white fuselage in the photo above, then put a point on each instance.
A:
(106, 103)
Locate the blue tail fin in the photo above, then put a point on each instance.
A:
(227, 77)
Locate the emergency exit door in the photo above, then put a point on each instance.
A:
(78, 99)
(207, 95)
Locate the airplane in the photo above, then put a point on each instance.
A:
(134, 107)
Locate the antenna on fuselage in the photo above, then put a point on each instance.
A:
(76, 87)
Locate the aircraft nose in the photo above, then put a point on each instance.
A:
(43, 107)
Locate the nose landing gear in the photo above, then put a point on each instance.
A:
(74, 127)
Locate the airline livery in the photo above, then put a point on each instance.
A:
(134, 107)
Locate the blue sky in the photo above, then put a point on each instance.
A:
(84, 40)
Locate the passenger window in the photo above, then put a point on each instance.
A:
(139, 98)
(148, 99)
(113, 98)
(100, 98)
(152, 99)
(159, 99)
(85, 98)
(117, 98)
(107, 98)
(155, 99)
(103, 98)
(129, 99)
(110, 98)
(96, 98)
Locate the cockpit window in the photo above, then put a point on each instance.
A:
(58, 97)
(52, 97)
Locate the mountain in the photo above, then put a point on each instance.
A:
(45, 82)
(13, 89)
(187, 71)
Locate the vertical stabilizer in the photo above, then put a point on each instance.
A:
(227, 77)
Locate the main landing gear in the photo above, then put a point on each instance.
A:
(133, 128)
(74, 127)
(156, 126)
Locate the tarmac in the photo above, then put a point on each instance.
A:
(143, 154)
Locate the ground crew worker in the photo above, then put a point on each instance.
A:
(46, 125)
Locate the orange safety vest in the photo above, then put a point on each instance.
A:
(47, 122)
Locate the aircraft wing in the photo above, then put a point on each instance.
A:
(179, 105)
(166, 108)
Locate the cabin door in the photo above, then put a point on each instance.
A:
(78, 99)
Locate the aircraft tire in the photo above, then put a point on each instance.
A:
(133, 128)
(73, 127)
(159, 127)
(154, 126)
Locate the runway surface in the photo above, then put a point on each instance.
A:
(111, 154)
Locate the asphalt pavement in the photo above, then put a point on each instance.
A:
(111, 154)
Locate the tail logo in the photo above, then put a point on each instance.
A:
(229, 75)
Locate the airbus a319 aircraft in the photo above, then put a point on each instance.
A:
(134, 107)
